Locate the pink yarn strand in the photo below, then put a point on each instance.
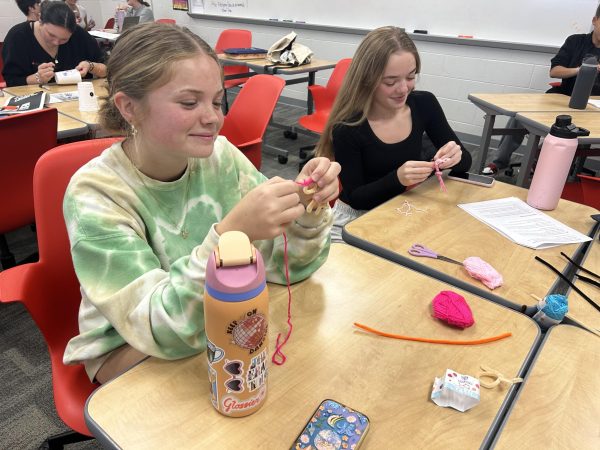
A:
(438, 173)
(278, 357)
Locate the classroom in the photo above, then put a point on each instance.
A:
(413, 263)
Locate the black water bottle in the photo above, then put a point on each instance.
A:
(584, 83)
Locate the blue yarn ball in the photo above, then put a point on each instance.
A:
(556, 306)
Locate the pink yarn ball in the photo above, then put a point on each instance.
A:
(452, 308)
(483, 271)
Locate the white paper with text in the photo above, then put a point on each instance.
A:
(523, 224)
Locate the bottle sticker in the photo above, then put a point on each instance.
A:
(235, 368)
(214, 392)
(233, 404)
(250, 331)
(213, 352)
(257, 373)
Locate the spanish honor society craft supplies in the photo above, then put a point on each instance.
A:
(523, 224)
(24, 103)
(455, 390)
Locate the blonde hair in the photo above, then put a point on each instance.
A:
(142, 60)
(353, 101)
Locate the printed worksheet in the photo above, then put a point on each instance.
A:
(523, 224)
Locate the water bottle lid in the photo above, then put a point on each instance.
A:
(563, 128)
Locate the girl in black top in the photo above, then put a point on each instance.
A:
(376, 127)
(34, 51)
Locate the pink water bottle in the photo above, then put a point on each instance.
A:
(554, 163)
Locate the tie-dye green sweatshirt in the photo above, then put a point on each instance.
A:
(141, 281)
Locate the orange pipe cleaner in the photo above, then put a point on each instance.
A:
(432, 341)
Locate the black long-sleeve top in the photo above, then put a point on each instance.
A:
(22, 53)
(369, 165)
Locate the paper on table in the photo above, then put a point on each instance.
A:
(595, 103)
(67, 77)
(60, 97)
(523, 224)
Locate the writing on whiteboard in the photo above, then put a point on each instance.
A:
(228, 6)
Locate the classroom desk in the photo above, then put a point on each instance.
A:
(454, 233)
(509, 105)
(558, 406)
(166, 404)
(580, 309)
(264, 66)
(538, 125)
(70, 109)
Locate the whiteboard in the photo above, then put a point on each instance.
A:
(542, 22)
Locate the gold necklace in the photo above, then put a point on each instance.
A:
(183, 232)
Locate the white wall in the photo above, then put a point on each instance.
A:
(450, 71)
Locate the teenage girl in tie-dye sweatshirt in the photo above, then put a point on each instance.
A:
(144, 216)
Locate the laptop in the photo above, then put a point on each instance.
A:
(129, 22)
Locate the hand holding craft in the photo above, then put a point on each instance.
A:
(414, 172)
(323, 173)
(266, 211)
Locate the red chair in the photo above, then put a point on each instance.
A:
(20, 150)
(110, 24)
(233, 38)
(323, 98)
(170, 21)
(247, 120)
(2, 82)
(49, 288)
(590, 187)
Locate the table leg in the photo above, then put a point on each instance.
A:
(486, 138)
(309, 99)
(528, 158)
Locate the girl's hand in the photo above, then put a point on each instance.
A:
(324, 173)
(452, 151)
(46, 72)
(414, 172)
(265, 211)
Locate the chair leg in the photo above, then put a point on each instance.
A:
(306, 151)
(58, 441)
(7, 259)
(225, 103)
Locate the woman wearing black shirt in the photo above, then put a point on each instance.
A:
(376, 127)
(34, 51)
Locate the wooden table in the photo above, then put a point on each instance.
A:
(558, 406)
(538, 125)
(454, 233)
(70, 109)
(510, 105)
(579, 309)
(166, 404)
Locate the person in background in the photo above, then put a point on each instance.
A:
(375, 129)
(145, 215)
(565, 65)
(81, 16)
(31, 9)
(34, 51)
(135, 8)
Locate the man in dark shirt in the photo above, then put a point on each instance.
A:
(564, 65)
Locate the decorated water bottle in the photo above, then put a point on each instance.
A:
(236, 313)
(584, 83)
(119, 17)
(554, 163)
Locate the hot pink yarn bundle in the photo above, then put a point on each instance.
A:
(483, 272)
(453, 309)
